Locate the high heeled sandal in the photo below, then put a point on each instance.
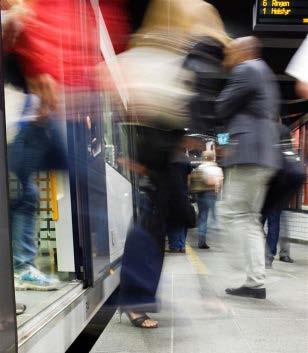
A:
(138, 321)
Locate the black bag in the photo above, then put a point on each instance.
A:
(284, 184)
(38, 146)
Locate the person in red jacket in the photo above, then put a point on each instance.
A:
(57, 45)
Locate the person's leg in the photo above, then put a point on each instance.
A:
(273, 224)
(284, 244)
(211, 204)
(182, 232)
(174, 236)
(183, 238)
(245, 189)
(143, 256)
(23, 223)
(202, 218)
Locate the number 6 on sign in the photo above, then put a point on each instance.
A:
(265, 3)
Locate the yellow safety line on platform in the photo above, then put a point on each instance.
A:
(195, 260)
(54, 201)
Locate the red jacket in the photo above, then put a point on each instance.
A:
(61, 39)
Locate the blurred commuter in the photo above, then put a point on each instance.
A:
(56, 45)
(286, 183)
(155, 79)
(250, 104)
(206, 182)
(181, 214)
(298, 69)
(25, 157)
(30, 152)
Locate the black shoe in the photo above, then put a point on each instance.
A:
(203, 246)
(257, 293)
(286, 259)
(183, 251)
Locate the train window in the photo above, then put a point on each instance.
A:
(117, 138)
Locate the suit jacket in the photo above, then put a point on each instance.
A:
(250, 105)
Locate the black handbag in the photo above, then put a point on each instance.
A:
(38, 146)
(288, 180)
(286, 183)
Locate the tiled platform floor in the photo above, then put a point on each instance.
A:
(198, 317)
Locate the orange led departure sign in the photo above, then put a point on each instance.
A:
(279, 12)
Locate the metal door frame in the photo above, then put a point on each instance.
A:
(8, 324)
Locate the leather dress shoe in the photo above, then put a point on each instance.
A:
(286, 259)
(257, 293)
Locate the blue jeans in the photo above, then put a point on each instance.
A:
(23, 224)
(273, 223)
(176, 235)
(206, 202)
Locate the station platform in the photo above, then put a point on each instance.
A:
(198, 317)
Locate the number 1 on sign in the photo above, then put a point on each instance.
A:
(264, 11)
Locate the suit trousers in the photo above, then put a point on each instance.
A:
(243, 197)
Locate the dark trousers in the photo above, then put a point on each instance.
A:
(273, 223)
(177, 234)
(144, 250)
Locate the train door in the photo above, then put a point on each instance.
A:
(86, 150)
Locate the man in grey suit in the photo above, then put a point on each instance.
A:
(249, 104)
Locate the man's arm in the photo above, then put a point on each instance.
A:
(298, 69)
(235, 93)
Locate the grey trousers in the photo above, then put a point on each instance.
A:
(244, 192)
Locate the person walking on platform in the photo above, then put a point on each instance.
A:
(206, 181)
(154, 73)
(250, 105)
